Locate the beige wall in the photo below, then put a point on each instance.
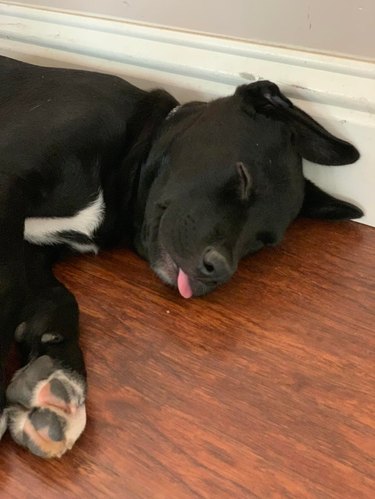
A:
(336, 26)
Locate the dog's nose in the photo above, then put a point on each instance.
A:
(215, 264)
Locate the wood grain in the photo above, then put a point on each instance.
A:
(265, 388)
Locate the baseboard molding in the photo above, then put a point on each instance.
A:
(339, 92)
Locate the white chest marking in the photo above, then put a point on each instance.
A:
(45, 231)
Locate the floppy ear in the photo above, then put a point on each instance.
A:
(142, 129)
(312, 141)
(319, 204)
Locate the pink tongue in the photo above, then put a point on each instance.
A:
(184, 284)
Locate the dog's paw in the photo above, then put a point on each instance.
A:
(46, 411)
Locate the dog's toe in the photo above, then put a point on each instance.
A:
(46, 410)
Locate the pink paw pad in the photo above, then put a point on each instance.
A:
(46, 412)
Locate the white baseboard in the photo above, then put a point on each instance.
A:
(339, 92)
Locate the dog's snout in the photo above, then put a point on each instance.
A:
(215, 264)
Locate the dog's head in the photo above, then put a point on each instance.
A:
(225, 178)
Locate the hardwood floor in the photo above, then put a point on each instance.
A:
(265, 388)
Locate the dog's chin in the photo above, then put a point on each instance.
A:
(166, 269)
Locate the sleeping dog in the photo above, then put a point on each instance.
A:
(89, 161)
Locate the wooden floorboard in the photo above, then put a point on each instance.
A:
(265, 388)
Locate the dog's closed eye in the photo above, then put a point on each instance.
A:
(246, 182)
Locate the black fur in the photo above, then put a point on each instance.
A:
(195, 190)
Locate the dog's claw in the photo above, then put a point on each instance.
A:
(46, 412)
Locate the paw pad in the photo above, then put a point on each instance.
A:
(46, 410)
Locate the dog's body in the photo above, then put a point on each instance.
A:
(89, 161)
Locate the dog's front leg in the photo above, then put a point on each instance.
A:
(12, 271)
(46, 410)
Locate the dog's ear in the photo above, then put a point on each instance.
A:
(142, 129)
(319, 204)
(312, 141)
(144, 124)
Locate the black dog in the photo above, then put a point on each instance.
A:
(89, 161)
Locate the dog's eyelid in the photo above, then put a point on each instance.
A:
(246, 181)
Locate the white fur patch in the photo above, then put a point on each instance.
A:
(45, 231)
(3, 423)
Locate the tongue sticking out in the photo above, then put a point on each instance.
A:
(184, 284)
